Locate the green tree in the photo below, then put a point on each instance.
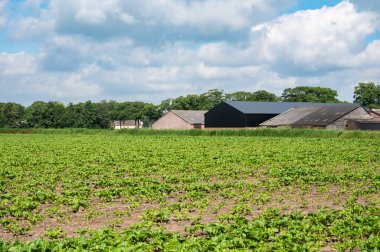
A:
(129, 111)
(166, 105)
(103, 114)
(260, 95)
(46, 115)
(12, 115)
(151, 113)
(367, 94)
(211, 98)
(87, 117)
(54, 115)
(310, 94)
(202, 101)
(2, 121)
(71, 116)
(35, 114)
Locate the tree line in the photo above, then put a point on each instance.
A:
(89, 114)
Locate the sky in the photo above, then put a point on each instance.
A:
(150, 50)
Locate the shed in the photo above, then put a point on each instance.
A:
(240, 114)
(127, 124)
(333, 117)
(181, 119)
(327, 117)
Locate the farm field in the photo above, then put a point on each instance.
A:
(167, 192)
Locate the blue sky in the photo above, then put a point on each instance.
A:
(314, 4)
(76, 50)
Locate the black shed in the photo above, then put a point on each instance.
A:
(240, 114)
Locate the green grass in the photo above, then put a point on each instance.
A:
(284, 132)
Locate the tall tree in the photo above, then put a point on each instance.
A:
(45, 115)
(71, 116)
(202, 101)
(166, 105)
(367, 94)
(103, 114)
(211, 98)
(2, 122)
(54, 115)
(310, 94)
(12, 115)
(151, 113)
(260, 95)
(35, 114)
(88, 115)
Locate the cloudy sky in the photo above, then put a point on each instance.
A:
(149, 50)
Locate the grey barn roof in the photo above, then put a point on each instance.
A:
(248, 107)
(326, 115)
(289, 117)
(191, 116)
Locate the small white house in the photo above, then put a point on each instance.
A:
(127, 124)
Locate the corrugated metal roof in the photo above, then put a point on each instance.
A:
(191, 116)
(289, 117)
(248, 107)
(326, 115)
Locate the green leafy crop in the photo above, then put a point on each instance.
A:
(173, 192)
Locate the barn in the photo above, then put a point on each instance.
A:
(240, 114)
(181, 119)
(326, 117)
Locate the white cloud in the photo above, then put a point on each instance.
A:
(155, 49)
(315, 40)
(74, 86)
(152, 21)
(17, 64)
(369, 58)
(304, 42)
(30, 28)
(3, 18)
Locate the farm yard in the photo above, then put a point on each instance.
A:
(173, 192)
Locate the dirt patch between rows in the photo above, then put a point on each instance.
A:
(119, 214)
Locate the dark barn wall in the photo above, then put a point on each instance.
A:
(224, 116)
(254, 120)
(369, 126)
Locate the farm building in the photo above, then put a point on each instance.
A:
(181, 119)
(363, 124)
(127, 124)
(375, 113)
(327, 117)
(289, 117)
(240, 114)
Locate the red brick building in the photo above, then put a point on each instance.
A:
(181, 119)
